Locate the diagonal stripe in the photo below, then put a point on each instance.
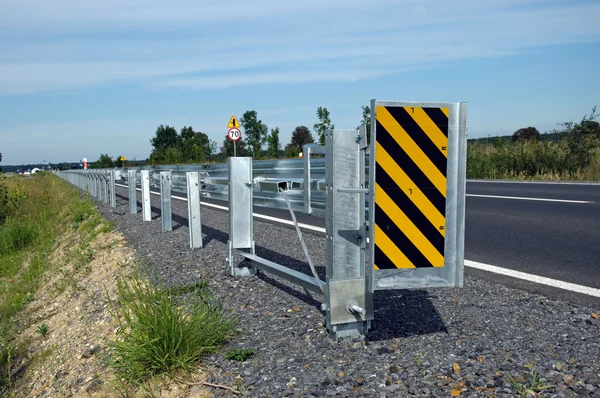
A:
(399, 240)
(419, 137)
(381, 260)
(416, 154)
(439, 117)
(433, 233)
(430, 128)
(409, 229)
(390, 250)
(414, 193)
(410, 168)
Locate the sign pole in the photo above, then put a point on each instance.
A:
(234, 133)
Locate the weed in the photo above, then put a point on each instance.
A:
(16, 235)
(42, 330)
(157, 336)
(240, 354)
(535, 384)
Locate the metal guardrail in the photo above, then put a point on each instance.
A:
(415, 241)
(302, 179)
(269, 176)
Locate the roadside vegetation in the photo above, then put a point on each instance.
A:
(76, 315)
(34, 213)
(569, 153)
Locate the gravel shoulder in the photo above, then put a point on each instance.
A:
(484, 339)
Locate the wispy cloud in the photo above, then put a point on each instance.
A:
(65, 45)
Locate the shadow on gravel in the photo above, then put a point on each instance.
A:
(398, 313)
(155, 211)
(404, 313)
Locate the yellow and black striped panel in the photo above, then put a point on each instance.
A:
(410, 186)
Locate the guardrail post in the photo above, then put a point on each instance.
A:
(241, 228)
(308, 150)
(348, 296)
(131, 180)
(145, 181)
(194, 214)
(100, 185)
(113, 194)
(165, 201)
(106, 182)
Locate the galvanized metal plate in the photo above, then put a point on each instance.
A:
(417, 185)
(340, 292)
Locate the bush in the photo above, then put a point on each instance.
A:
(10, 198)
(156, 335)
(573, 156)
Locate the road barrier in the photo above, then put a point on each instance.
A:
(396, 222)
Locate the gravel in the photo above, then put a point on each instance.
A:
(484, 339)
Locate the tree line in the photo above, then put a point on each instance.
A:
(189, 146)
(569, 152)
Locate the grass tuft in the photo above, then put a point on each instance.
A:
(16, 235)
(158, 335)
(240, 354)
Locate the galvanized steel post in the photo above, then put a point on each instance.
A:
(146, 207)
(165, 201)
(131, 179)
(194, 215)
(241, 229)
(113, 194)
(106, 179)
(348, 298)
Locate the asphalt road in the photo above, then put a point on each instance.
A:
(558, 240)
(548, 231)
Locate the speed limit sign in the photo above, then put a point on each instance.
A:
(234, 134)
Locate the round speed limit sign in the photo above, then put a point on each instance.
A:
(234, 134)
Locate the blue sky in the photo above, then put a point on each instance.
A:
(81, 78)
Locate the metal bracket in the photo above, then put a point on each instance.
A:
(344, 294)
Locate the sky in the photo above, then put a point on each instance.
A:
(83, 78)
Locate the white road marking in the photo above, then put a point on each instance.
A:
(524, 198)
(542, 280)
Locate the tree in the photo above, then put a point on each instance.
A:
(166, 136)
(366, 119)
(527, 134)
(195, 146)
(300, 137)
(227, 148)
(323, 125)
(256, 132)
(104, 162)
(273, 142)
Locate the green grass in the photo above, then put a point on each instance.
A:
(532, 161)
(16, 235)
(240, 354)
(159, 334)
(34, 213)
(531, 384)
